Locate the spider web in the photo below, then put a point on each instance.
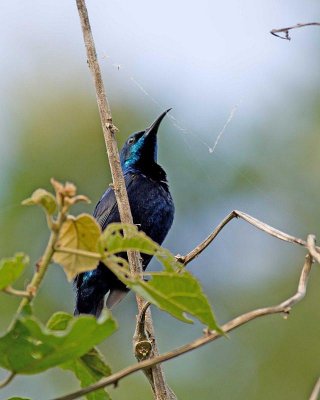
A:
(185, 132)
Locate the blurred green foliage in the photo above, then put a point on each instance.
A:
(272, 174)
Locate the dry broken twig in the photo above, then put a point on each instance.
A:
(286, 30)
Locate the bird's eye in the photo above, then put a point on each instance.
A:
(131, 140)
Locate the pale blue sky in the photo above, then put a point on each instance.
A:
(202, 55)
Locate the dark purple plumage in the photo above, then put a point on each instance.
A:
(152, 210)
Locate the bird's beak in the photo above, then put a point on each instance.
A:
(153, 129)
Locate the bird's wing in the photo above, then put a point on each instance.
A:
(106, 210)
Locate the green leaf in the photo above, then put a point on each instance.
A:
(174, 290)
(30, 348)
(112, 241)
(90, 367)
(177, 292)
(43, 198)
(78, 233)
(19, 398)
(59, 321)
(12, 268)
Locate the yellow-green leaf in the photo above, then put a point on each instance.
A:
(78, 233)
(19, 398)
(43, 198)
(90, 368)
(12, 268)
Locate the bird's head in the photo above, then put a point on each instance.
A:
(140, 149)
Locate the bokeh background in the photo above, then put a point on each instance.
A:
(207, 60)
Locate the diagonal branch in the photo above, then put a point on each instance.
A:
(286, 30)
(210, 336)
(109, 130)
(251, 220)
(316, 391)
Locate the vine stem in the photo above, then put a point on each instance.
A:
(43, 264)
(161, 390)
(15, 292)
(33, 286)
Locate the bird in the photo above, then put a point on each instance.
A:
(152, 211)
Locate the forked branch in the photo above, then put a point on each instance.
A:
(251, 220)
(285, 31)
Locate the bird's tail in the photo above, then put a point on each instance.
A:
(92, 286)
(92, 306)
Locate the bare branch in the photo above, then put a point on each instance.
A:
(251, 220)
(117, 176)
(210, 336)
(286, 30)
(105, 116)
(316, 391)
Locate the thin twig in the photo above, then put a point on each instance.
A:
(251, 220)
(316, 391)
(116, 171)
(210, 336)
(44, 262)
(140, 332)
(142, 344)
(7, 380)
(286, 30)
(15, 292)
